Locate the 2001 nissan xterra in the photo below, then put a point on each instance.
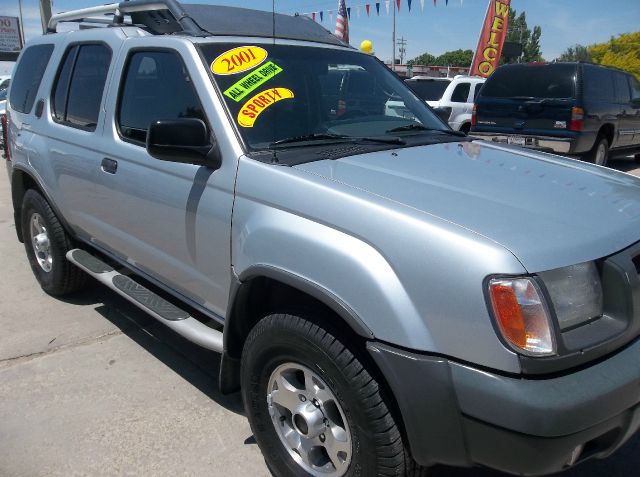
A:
(388, 294)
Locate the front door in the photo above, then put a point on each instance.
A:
(169, 220)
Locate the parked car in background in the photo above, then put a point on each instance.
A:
(452, 99)
(456, 95)
(567, 108)
(3, 119)
(5, 81)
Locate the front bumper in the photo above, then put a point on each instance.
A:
(455, 414)
(540, 143)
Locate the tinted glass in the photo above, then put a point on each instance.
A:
(623, 94)
(5, 84)
(156, 86)
(62, 84)
(531, 81)
(476, 92)
(3, 94)
(635, 88)
(598, 84)
(87, 85)
(428, 90)
(28, 76)
(281, 95)
(461, 93)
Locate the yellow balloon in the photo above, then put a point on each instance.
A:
(366, 46)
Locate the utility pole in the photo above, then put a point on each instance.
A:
(21, 22)
(402, 43)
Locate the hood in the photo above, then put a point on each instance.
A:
(547, 210)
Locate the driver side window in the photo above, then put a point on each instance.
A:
(156, 86)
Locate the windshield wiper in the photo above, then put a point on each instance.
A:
(337, 137)
(409, 127)
(420, 127)
(309, 137)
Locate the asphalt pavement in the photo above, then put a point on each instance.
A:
(90, 385)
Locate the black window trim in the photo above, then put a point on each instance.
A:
(122, 78)
(8, 99)
(68, 48)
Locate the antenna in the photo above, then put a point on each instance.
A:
(274, 158)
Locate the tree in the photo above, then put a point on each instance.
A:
(449, 58)
(518, 31)
(423, 59)
(576, 53)
(622, 52)
(455, 58)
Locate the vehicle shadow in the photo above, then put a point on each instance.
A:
(194, 364)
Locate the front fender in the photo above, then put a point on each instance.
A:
(345, 267)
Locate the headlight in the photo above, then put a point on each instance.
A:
(521, 315)
(576, 293)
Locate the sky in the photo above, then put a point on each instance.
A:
(435, 30)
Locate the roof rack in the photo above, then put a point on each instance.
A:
(158, 16)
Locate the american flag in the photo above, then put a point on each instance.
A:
(342, 22)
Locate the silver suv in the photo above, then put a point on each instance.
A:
(387, 294)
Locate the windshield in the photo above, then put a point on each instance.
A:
(428, 90)
(290, 96)
(532, 81)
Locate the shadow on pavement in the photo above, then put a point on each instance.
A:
(193, 363)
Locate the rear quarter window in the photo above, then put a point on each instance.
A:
(28, 76)
(555, 81)
(598, 84)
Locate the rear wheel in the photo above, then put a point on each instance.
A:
(313, 406)
(46, 244)
(600, 153)
(465, 128)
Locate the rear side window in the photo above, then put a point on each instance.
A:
(598, 84)
(428, 90)
(532, 81)
(156, 86)
(80, 85)
(28, 76)
(623, 93)
(635, 88)
(461, 93)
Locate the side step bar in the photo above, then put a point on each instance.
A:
(178, 320)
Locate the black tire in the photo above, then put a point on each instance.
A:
(377, 447)
(63, 277)
(592, 155)
(637, 158)
(465, 128)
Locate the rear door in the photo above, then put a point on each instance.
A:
(529, 99)
(459, 101)
(635, 108)
(626, 113)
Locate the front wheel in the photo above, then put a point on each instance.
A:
(313, 406)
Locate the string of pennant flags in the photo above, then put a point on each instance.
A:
(371, 8)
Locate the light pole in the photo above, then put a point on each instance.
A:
(21, 22)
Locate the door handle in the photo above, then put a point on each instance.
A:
(109, 165)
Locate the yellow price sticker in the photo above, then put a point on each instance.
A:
(260, 102)
(239, 59)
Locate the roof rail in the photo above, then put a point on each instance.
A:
(143, 12)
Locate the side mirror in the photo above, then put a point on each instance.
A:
(184, 140)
